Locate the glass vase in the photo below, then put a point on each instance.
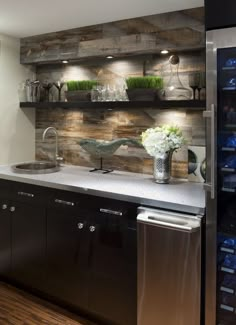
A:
(162, 168)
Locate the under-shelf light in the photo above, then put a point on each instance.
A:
(164, 51)
(65, 61)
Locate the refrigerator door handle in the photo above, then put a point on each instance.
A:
(211, 114)
(181, 224)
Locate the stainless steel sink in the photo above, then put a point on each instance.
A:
(36, 167)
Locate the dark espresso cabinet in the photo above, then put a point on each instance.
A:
(67, 250)
(78, 250)
(91, 242)
(5, 230)
(220, 14)
(28, 244)
(113, 262)
(26, 219)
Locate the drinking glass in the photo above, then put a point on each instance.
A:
(194, 80)
(59, 85)
(47, 85)
(95, 93)
(202, 83)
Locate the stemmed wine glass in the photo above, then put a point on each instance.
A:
(47, 85)
(202, 83)
(194, 82)
(59, 85)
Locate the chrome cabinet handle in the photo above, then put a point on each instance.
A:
(64, 202)
(211, 114)
(92, 228)
(4, 207)
(25, 194)
(12, 209)
(117, 213)
(80, 225)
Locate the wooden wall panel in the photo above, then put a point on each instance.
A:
(181, 30)
(74, 125)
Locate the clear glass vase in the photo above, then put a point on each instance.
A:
(162, 168)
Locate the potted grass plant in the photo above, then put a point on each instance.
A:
(79, 90)
(144, 88)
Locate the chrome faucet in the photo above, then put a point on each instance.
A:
(57, 158)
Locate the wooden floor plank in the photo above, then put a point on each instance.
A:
(20, 308)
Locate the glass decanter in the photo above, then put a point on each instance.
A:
(174, 89)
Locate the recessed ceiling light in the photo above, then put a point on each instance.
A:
(65, 61)
(110, 57)
(164, 52)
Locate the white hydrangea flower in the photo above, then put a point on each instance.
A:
(158, 141)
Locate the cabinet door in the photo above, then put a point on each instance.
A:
(28, 244)
(67, 255)
(113, 268)
(5, 238)
(5, 229)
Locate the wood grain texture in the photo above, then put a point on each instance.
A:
(20, 308)
(102, 124)
(107, 125)
(181, 30)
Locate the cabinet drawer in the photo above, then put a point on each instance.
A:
(5, 188)
(30, 194)
(70, 201)
(117, 208)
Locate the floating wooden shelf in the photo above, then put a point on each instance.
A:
(191, 104)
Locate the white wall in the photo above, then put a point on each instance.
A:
(17, 126)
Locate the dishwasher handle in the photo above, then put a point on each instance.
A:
(187, 224)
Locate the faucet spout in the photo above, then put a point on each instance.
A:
(53, 130)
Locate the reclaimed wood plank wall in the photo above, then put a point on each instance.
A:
(77, 124)
(136, 45)
(74, 125)
(180, 30)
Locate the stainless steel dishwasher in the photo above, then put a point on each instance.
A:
(169, 268)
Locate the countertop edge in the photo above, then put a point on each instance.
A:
(112, 195)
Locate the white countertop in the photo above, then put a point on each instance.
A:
(179, 195)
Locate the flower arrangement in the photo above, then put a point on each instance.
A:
(160, 140)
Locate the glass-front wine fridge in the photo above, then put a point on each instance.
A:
(220, 295)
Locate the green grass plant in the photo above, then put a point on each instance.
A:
(74, 85)
(144, 82)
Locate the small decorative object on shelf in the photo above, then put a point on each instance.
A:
(160, 143)
(108, 93)
(47, 85)
(174, 89)
(59, 85)
(196, 164)
(144, 88)
(194, 79)
(103, 149)
(197, 81)
(29, 91)
(79, 90)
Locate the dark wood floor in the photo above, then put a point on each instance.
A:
(20, 308)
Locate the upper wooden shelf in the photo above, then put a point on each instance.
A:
(195, 104)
